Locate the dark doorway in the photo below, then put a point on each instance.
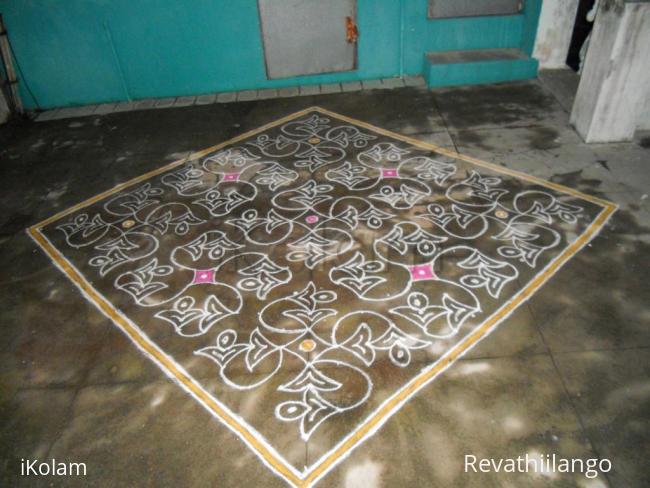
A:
(581, 30)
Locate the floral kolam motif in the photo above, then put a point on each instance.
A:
(306, 279)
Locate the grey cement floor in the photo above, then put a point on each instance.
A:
(568, 373)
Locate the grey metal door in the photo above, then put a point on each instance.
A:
(303, 37)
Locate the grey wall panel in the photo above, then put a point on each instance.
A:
(439, 9)
(304, 37)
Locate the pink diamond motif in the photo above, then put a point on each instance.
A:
(203, 276)
(388, 173)
(231, 177)
(270, 290)
(422, 272)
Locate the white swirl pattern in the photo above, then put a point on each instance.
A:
(424, 248)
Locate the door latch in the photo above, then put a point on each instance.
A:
(351, 29)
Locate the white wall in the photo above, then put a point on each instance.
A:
(644, 118)
(556, 23)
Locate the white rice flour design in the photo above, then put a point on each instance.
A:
(327, 268)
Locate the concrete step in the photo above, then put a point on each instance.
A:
(228, 97)
(473, 67)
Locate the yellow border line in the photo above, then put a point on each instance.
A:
(146, 345)
(167, 167)
(419, 381)
(469, 159)
(277, 463)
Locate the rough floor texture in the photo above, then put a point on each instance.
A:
(567, 373)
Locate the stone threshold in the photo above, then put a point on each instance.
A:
(228, 97)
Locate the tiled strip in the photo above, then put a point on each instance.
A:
(228, 97)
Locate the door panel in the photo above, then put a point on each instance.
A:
(303, 37)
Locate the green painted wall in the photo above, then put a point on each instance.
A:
(73, 52)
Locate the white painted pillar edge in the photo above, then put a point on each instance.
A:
(556, 22)
(616, 78)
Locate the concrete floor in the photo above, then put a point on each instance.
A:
(568, 372)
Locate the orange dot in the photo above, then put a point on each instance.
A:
(307, 345)
(314, 140)
(128, 223)
(501, 214)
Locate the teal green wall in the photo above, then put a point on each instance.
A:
(438, 75)
(73, 52)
